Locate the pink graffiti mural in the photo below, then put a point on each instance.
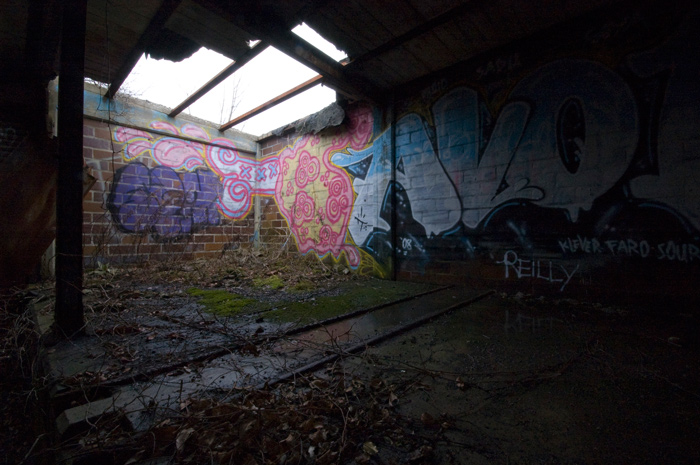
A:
(316, 198)
(360, 124)
(315, 195)
(137, 142)
(241, 177)
(174, 153)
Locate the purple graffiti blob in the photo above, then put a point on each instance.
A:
(161, 202)
(203, 190)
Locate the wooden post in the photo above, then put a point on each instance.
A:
(69, 316)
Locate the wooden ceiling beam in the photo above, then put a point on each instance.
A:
(267, 27)
(335, 77)
(219, 78)
(314, 81)
(418, 31)
(167, 8)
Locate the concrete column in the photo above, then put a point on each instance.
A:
(257, 206)
(69, 317)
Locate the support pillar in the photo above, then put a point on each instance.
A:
(394, 222)
(69, 316)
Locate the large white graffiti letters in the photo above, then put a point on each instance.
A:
(549, 144)
(432, 197)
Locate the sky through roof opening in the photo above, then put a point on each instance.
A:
(265, 77)
(317, 40)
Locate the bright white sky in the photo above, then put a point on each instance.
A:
(266, 76)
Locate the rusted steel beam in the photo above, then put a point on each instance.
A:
(167, 134)
(167, 8)
(314, 81)
(219, 78)
(69, 316)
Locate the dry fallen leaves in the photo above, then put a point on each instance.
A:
(322, 420)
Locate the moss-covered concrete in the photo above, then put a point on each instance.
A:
(351, 296)
(347, 297)
(273, 282)
(220, 302)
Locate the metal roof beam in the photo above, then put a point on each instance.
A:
(336, 78)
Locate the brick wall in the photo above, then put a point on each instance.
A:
(274, 231)
(182, 228)
(564, 163)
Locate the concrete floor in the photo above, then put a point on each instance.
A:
(537, 381)
(490, 378)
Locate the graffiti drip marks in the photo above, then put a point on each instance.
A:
(162, 202)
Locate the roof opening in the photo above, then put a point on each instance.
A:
(311, 36)
(266, 76)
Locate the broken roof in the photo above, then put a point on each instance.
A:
(388, 43)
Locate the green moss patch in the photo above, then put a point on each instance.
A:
(351, 297)
(273, 282)
(303, 286)
(222, 303)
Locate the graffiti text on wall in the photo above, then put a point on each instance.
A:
(192, 179)
(578, 157)
(241, 177)
(544, 270)
(669, 250)
(163, 202)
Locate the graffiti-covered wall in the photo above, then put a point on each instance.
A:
(165, 188)
(155, 198)
(314, 202)
(171, 188)
(565, 163)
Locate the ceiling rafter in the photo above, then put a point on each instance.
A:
(167, 8)
(314, 81)
(272, 30)
(415, 32)
(219, 78)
